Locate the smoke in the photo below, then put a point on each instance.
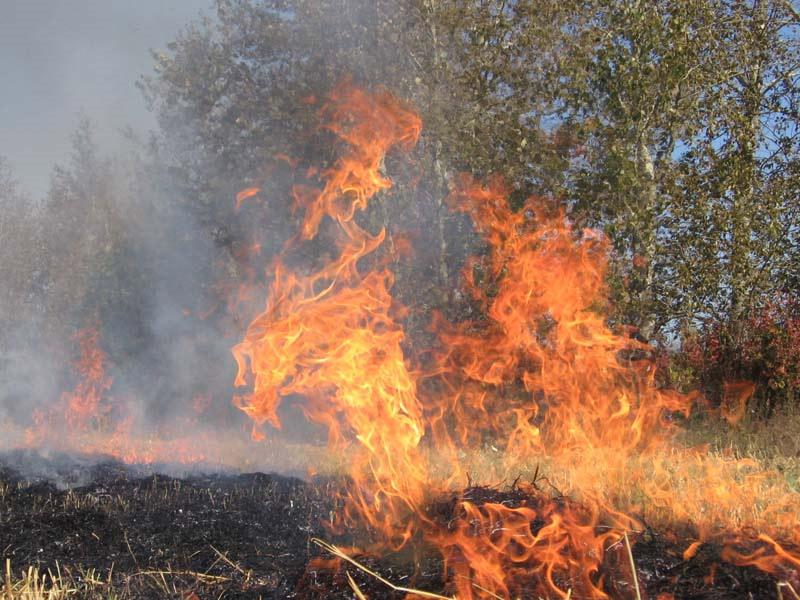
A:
(60, 61)
(29, 377)
(134, 254)
(116, 244)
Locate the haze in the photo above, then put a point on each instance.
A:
(63, 59)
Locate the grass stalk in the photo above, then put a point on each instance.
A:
(330, 548)
(633, 566)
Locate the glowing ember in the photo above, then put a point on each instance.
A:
(245, 194)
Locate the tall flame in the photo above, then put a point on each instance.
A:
(541, 374)
(332, 335)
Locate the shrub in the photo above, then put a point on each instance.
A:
(763, 348)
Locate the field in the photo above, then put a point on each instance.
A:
(74, 528)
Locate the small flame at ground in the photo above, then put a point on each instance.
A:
(90, 421)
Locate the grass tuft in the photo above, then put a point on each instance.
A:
(33, 585)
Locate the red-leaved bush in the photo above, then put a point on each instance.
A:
(763, 349)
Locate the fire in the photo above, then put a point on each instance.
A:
(500, 550)
(546, 375)
(538, 382)
(84, 403)
(91, 420)
(245, 194)
(332, 335)
(84, 409)
(545, 335)
(541, 376)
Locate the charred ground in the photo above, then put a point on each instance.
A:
(153, 536)
(109, 528)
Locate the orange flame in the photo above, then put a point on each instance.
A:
(83, 405)
(89, 420)
(245, 194)
(332, 337)
(541, 375)
(84, 409)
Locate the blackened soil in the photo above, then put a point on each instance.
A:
(244, 535)
(114, 530)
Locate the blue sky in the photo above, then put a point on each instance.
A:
(59, 58)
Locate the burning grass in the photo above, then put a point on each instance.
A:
(767, 478)
(607, 501)
(539, 372)
(129, 536)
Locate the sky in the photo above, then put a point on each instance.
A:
(63, 58)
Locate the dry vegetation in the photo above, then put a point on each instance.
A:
(252, 536)
(775, 443)
(32, 585)
(125, 537)
(633, 87)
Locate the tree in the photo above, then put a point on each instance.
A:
(735, 246)
(669, 100)
(237, 90)
(19, 240)
(671, 125)
(91, 268)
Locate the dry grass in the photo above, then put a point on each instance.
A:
(775, 444)
(338, 553)
(786, 591)
(33, 585)
(750, 477)
(208, 449)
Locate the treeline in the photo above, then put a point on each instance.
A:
(672, 125)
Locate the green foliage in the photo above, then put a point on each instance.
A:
(687, 123)
(236, 90)
(634, 114)
(734, 236)
(671, 125)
